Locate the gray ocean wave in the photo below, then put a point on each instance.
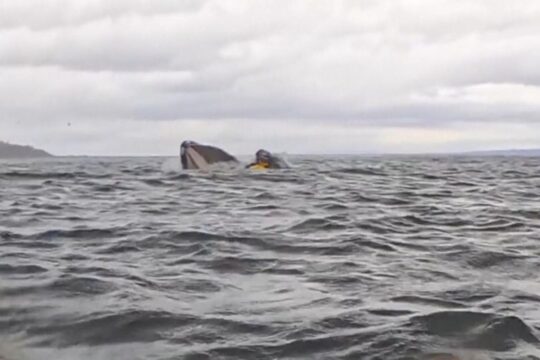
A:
(335, 258)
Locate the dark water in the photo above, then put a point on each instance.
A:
(353, 258)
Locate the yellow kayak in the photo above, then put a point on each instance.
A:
(258, 167)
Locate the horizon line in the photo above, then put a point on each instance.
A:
(456, 152)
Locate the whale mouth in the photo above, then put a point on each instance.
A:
(198, 156)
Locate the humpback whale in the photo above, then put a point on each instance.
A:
(198, 156)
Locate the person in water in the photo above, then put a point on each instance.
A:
(264, 160)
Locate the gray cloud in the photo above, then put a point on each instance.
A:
(347, 68)
(34, 15)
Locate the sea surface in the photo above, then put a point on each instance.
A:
(427, 257)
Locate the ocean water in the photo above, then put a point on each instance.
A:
(335, 258)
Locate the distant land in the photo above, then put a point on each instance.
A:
(12, 151)
(472, 153)
(506, 152)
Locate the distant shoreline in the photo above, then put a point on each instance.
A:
(448, 154)
(13, 151)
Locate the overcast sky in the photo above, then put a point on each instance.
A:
(135, 77)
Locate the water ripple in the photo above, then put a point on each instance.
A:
(431, 258)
